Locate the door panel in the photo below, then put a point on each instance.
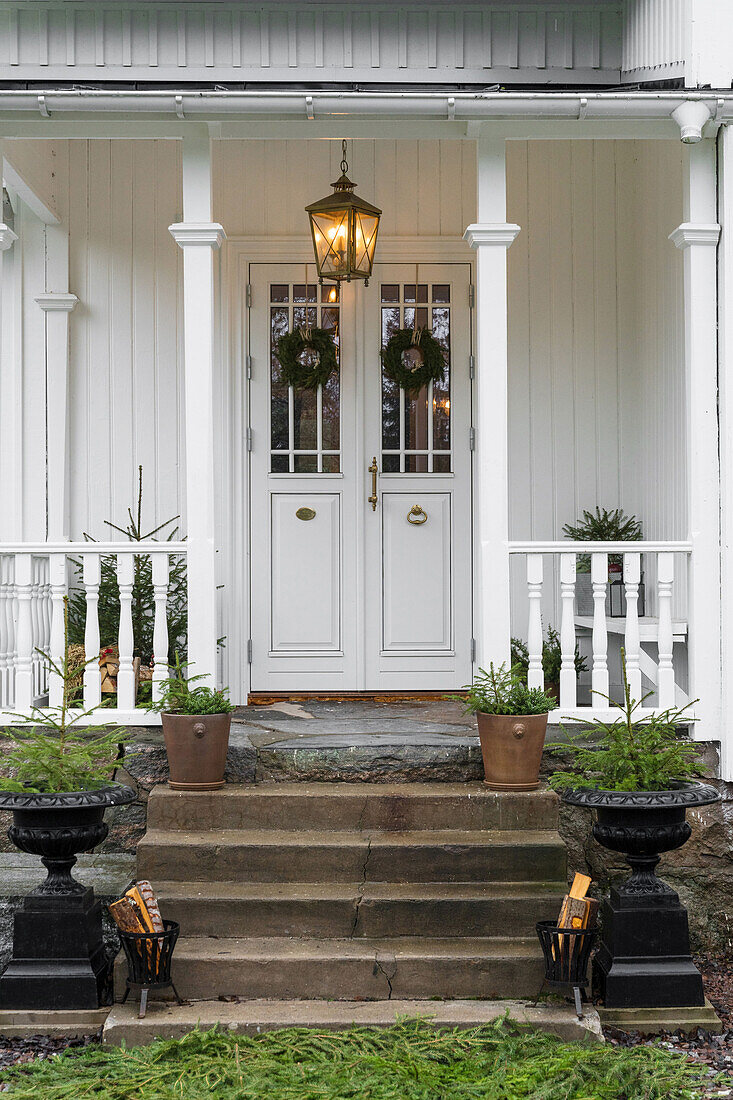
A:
(346, 597)
(306, 586)
(416, 621)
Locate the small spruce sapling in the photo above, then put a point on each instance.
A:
(633, 753)
(503, 691)
(60, 752)
(179, 697)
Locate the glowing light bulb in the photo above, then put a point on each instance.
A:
(332, 294)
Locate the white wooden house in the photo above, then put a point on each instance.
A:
(556, 182)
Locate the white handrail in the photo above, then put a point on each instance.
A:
(148, 546)
(566, 546)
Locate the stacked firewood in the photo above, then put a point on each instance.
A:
(578, 910)
(138, 912)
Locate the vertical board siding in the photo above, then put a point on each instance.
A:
(125, 365)
(653, 42)
(595, 355)
(425, 188)
(596, 381)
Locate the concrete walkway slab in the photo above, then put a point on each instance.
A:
(253, 1017)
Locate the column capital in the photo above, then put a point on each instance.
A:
(7, 237)
(690, 233)
(495, 233)
(56, 303)
(188, 234)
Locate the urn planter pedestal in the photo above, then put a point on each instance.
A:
(644, 956)
(58, 959)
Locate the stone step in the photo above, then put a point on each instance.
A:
(369, 910)
(372, 750)
(410, 967)
(171, 1021)
(275, 855)
(387, 806)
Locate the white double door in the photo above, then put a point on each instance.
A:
(348, 594)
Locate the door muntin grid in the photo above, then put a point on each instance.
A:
(305, 432)
(416, 435)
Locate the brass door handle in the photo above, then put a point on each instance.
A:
(416, 516)
(374, 470)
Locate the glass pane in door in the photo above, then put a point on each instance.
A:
(305, 435)
(416, 425)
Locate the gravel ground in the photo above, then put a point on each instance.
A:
(16, 1051)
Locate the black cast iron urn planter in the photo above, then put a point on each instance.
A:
(58, 959)
(644, 956)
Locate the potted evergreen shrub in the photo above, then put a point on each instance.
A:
(604, 525)
(637, 774)
(60, 784)
(196, 722)
(512, 721)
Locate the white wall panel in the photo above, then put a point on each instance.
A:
(423, 187)
(125, 367)
(596, 384)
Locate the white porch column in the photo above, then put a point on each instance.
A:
(57, 307)
(199, 237)
(10, 386)
(491, 236)
(698, 236)
(725, 398)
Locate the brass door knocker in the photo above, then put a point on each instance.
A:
(416, 516)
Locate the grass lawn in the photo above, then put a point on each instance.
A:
(410, 1061)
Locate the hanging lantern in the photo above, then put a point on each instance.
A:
(344, 230)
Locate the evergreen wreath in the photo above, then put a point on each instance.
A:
(413, 377)
(307, 371)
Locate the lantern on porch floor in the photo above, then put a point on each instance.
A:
(344, 230)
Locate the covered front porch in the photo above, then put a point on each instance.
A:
(144, 275)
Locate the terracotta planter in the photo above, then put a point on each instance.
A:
(197, 750)
(511, 745)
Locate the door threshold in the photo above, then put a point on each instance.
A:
(264, 698)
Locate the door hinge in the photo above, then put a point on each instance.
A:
(473, 649)
(471, 366)
(471, 295)
(249, 439)
(472, 439)
(249, 651)
(248, 295)
(249, 366)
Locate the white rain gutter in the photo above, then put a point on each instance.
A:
(329, 105)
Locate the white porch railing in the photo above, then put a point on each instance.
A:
(34, 579)
(632, 632)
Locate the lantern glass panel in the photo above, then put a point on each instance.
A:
(331, 240)
(365, 239)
